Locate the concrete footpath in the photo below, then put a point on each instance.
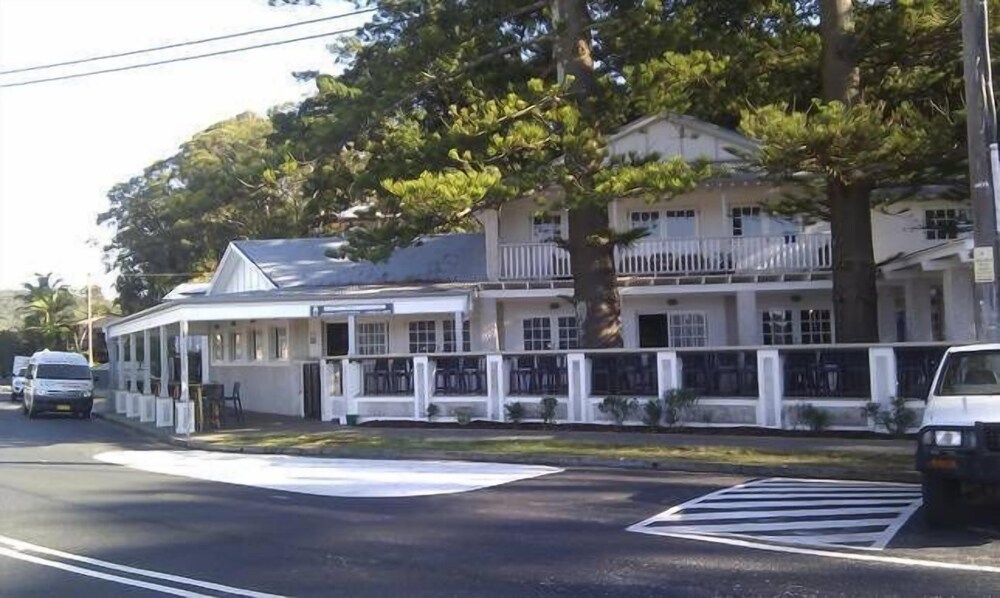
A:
(795, 456)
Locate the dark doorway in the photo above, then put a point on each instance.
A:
(653, 331)
(337, 339)
(311, 391)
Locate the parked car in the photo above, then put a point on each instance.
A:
(959, 441)
(17, 382)
(59, 382)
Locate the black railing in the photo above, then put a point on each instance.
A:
(463, 376)
(827, 373)
(538, 375)
(720, 373)
(915, 368)
(623, 374)
(387, 376)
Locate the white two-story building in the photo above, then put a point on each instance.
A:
(309, 334)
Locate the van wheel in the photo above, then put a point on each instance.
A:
(940, 497)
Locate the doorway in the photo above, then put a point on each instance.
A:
(337, 339)
(311, 394)
(653, 331)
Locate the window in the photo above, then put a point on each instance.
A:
(815, 326)
(218, 347)
(945, 223)
(679, 224)
(279, 343)
(650, 221)
(749, 221)
(372, 338)
(448, 336)
(569, 332)
(546, 227)
(423, 337)
(777, 327)
(537, 334)
(256, 339)
(687, 330)
(235, 346)
(62, 371)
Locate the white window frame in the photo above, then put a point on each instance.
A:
(551, 216)
(661, 217)
(673, 337)
(256, 344)
(958, 215)
(570, 342)
(236, 340)
(447, 345)
(812, 334)
(219, 357)
(797, 336)
(272, 342)
(427, 337)
(767, 222)
(524, 330)
(368, 330)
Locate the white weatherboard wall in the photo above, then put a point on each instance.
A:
(516, 310)
(672, 139)
(266, 389)
(237, 274)
(899, 228)
(713, 306)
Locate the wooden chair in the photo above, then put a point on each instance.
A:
(235, 400)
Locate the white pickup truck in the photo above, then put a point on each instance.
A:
(959, 440)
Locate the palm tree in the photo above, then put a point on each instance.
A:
(48, 310)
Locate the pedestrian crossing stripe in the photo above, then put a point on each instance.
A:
(820, 513)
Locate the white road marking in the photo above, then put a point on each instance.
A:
(17, 549)
(868, 515)
(355, 478)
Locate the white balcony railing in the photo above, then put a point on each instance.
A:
(702, 255)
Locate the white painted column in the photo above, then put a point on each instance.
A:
(747, 321)
(495, 388)
(352, 375)
(770, 388)
(182, 348)
(147, 364)
(668, 371)
(164, 364)
(882, 375)
(421, 385)
(491, 230)
(489, 334)
(918, 310)
(133, 364)
(460, 331)
(959, 305)
(579, 387)
(121, 390)
(352, 334)
(205, 378)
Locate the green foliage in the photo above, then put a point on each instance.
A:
(618, 408)
(433, 410)
(677, 402)
(47, 308)
(515, 412)
(547, 409)
(463, 415)
(897, 419)
(816, 418)
(652, 413)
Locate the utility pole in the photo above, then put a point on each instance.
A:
(982, 133)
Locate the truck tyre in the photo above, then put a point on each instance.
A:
(940, 499)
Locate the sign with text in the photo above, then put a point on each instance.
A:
(982, 264)
(319, 311)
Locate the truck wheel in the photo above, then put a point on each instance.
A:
(940, 497)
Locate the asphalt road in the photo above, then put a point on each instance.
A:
(557, 535)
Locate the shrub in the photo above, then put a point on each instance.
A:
(433, 411)
(463, 415)
(515, 412)
(816, 418)
(678, 401)
(652, 413)
(896, 420)
(547, 409)
(619, 408)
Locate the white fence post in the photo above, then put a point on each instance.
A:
(495, 390)
(576, 371)
(421, 379)
(882, 374)
(770, 388)
(668, 371)
(351, 376)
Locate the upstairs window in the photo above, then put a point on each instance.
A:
(546, 228)
(777, 327)
(372, 338)
(569, 332)
(423, 337)
(537, 334)
(750, 221)
(648, 221)
(448, 336)
(687, 329)
(680, 224)
(815, 326)
(945, 224)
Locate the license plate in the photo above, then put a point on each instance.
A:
(63, 408)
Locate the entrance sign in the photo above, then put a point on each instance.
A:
(982, 264)
(318, 311)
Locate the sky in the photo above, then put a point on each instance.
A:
(64, 144)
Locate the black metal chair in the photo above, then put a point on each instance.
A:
(235, 400)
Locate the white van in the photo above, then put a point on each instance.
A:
(59, 382)
(17, 382)
(959, 440)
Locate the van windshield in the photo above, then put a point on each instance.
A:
(62, 371)
(20, 372)
(971, 373)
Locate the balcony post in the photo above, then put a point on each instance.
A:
(495, 391)
(668, 371)
(576, 372)
(882, 374)
(352, 381)
(491, 228)
(421, 385)
(770, 388)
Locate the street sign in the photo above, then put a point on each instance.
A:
(982, 264)
(319, 311)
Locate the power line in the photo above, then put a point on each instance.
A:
(187, 43)
(181, 59)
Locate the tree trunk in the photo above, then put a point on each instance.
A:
(855, 295)
(595, 282)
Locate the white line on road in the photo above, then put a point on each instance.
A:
(18, 549)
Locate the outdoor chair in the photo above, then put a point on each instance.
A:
(235, 400)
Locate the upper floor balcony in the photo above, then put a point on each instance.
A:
(774, 254)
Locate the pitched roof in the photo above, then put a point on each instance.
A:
(304, 262)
